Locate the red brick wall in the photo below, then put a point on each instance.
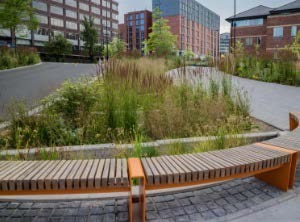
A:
(287, 21)
(196, 37)
(253, 31)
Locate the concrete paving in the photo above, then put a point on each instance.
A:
(36, 82)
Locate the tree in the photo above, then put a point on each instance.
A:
(58, 46)
(116, 47)
(161, 41)
(17, 15)
(89, 35)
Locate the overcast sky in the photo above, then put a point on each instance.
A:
(222, 7)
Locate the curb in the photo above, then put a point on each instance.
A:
(106, 148)
(21, 67)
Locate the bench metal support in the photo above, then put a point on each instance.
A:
(283, 178)
(137, 206)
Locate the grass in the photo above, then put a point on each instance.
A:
(132, 102)
(262, 67)
(24, 57)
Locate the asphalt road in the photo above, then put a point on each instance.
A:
(33, 83)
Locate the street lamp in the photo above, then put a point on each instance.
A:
(234, 27)
(106, 35)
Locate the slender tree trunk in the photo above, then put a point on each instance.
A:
(14, 39)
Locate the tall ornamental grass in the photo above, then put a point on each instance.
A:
(281, 70)
(24, 56)
(130, 99)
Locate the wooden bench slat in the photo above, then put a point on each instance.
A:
(252, 163)
(65, 180)
(38, 180)
(160, 170)
(229, 167)
(10, 179)
(84, 177)
(211, 170)
(25, 182)
(174, 171)
(124, 180)
(92, 174)
(105, 175)
(77, 178)
(148, 171)
(276, 157)
(190, 166)
(119, 173)
(239, 166)
(51, 180)
(99, 172)
(214, 170)
(156, 178)
(202, 172)
(169, 174)
(186, 171)
(176, 167)
(112, 173)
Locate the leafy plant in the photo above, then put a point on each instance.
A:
(161, 41)
(59, 45)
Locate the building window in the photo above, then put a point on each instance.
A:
(71, 14)
(83, 6)
(114, 6)
(249, 22)
(56, 10)
(96, 10)
(293, 31)
(81, 16)
(42, 19)
(39, 6)
(278, 32)
(71, 3)
(97, 2)
(57, 22)
(71, 25)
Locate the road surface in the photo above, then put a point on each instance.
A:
(33, 83)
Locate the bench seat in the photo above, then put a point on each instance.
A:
(63, 175)
(216, 165)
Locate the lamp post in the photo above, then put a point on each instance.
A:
(106, 35)
(234, 27)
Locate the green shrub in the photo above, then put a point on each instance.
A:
(24, 56)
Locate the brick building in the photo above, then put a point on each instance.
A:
(136, 29)
(268, 29)
(65, 17)
(196, 27)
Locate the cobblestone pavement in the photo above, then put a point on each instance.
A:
(224, 202)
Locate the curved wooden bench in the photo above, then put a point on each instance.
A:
(192, 169)
(272, 161)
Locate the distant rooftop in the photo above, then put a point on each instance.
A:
(258, 11)
(262, 11)
(290, 6)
